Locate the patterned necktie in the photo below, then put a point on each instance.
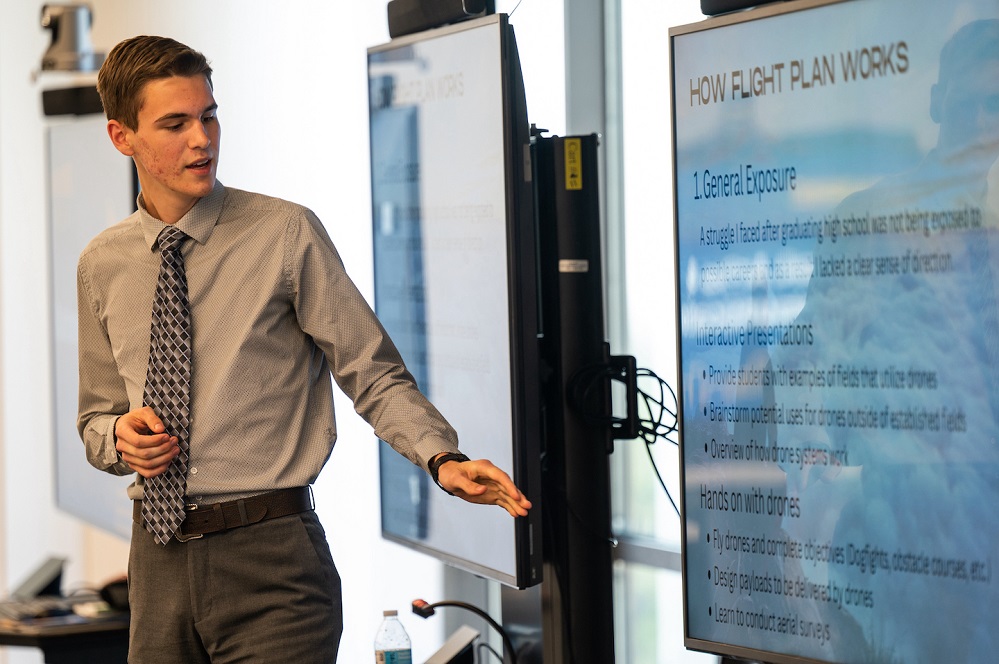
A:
(168, 385)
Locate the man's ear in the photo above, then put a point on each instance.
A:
(121, 137)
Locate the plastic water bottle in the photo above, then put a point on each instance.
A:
(392, 645)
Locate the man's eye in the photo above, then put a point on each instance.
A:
(208, 118)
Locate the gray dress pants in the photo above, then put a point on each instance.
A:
(268, 592)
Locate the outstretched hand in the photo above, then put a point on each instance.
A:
(483, 483)
(143, 443)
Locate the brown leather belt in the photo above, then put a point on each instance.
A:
(216, 517)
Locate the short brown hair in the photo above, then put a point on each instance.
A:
(136, 61)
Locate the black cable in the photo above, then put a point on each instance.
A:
(486, 646)
(423, 609)
(656, 426)
(587, 394)
(648, 450)
(657, 412)
(587, 391)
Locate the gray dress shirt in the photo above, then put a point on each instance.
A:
(273, 315)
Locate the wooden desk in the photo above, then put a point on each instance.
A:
(71, 639)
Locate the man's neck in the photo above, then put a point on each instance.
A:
(168, 214)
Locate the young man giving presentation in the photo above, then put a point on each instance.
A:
(210, 322)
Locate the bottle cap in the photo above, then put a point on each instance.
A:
(390, 612)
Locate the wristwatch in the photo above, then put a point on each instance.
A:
(434, 466)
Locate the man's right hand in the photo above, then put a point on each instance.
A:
(143, 443)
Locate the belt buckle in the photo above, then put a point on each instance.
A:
(180, 537)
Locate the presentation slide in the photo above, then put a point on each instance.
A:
(838, 273)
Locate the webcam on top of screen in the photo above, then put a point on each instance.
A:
(715, 7)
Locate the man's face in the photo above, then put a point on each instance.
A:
(968, 112)
(175, 146)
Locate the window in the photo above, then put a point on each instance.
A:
(648, 597)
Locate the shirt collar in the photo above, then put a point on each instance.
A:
(198, 223)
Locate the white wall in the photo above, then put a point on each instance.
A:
(291, 83)
(29, 526)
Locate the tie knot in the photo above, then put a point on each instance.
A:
(170, 239)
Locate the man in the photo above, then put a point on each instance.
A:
(212, 365)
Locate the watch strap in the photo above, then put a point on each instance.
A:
(434, 466)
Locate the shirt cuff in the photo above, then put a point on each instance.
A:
(430, 447)
(111, 456)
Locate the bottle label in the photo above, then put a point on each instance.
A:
(394, 657)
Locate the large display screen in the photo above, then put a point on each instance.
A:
(90, 187)
(838, 269)
(455, 282)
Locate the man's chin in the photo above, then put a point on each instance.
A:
(203, 186)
